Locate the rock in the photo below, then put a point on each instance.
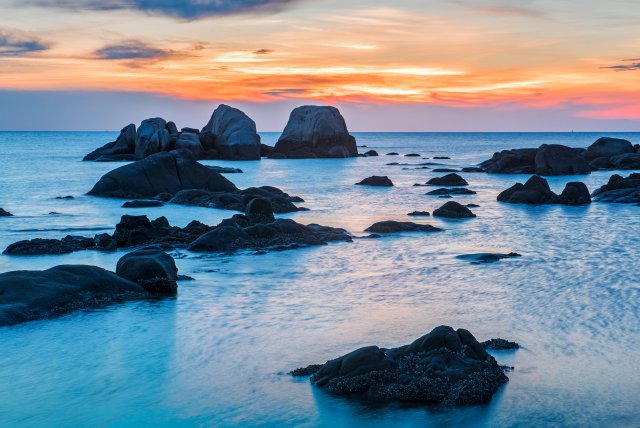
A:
(392, 154)
(376, 180)
(259, 210)
(536, 191)
(65, 197)
(159, 173)
(190, 143)
(172, 129)
(455, 191)
(151, 268)
(280, 201)
(419, 214)
(225, 170)
(555, 159)
(600, 163)
(625, 161)
(39, 246)
(31, 295)
(152, 137)
(391, 226)
(514, 161)
(124, 144)
(316, 131)
(481, 258)
(473, 169)
(620, 190)
(499, 344)
(441, 157)
(453, 209)
(445, 366)
(265, 150)
(306, 371)
(371, 153)
(607, 147)
(413, 155)
(448, 180)
(4, 213)
(189, 130)
(142, 204)
(445, 169)
(232, 134)
(472, 206)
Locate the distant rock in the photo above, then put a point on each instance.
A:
(4, 213)
(514, 161)
(500, 345)
(607, 147)
(445, 366)
(315, 132)
(376, 180)
(555, 159)
(391, 226)
(445, 170)
(419, 214)
(482, 258)
(190, 143)
(473, 169)
(620, 190)
(449, 191)
(448, 180)
(65, 197)
(392, 154)
(441, 157)
(142, 204)
(38, 246)
(413, 155)
(536, 191)
(151, 268)
(371, 153)
(123, 145)
(472, 206)
(232, 134)
(453, 209)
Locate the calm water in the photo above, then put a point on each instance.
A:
(216, 355)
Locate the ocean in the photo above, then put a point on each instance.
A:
(218, 354)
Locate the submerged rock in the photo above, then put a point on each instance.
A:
(536, 191)
(419, 214)
(142, 204)
(315, 132)
(455, 191)
(481, 258)
(453, 209)
(4, 213)
(620, 190)
(445, 366)
(376, 180)
(452, 179)
(445, 169)
(500, 344)
(225, 170)
(232, 134)
(391, 226)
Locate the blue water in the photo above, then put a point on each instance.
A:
(217, 354)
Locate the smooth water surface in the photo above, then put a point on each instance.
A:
(217, 355)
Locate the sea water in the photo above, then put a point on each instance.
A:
(218, 354)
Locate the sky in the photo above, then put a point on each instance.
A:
(406, 65)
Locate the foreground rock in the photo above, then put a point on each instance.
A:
(446, 366)
(391, 226)
(4, 213)
(453, 209)
(482, 258)
(151, 268)
(315, 132)
(620, 190)
(376, 180)
(536, 191)
(169, 177)
(452, 179)
(231, 134)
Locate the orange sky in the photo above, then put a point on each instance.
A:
(466, 54)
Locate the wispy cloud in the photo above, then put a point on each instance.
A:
(18, 44)
(185, 9)
(132, 50)
(502, 8)
(263, 51)
(285, 92)
(632, 64)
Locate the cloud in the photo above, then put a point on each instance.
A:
(263, 51)
(633, 64)
(185, 9)
(285, 92)
(15, 44)
(133, 50)
(502, 9)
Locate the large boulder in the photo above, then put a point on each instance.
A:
(190, 143)
(445, 366)
(123, 145)
(152, 137)
(315, 132)
(536, 191)
(607, 147)
(556, 159)
(514, 161)
(150, 267)
(159, 173)
(232, 134)
(30, 295)
(620, 190)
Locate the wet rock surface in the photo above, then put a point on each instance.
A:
(453, 209)
(446, 366)
(391, 226)
(419, 214)
(536, 191)
(151, 268)
(452, 179)
(376, 180)
(482, 258)
(453, 191)
(620, 190)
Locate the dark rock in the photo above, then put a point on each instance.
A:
(31, 295)
(473, 169)
(190, 143)
(500, 344)
(376, 180)
(472, 206)
(392, 154)
(152, 137)
(448, 180)
(600, 163)
(620, 190)
(391, 226)
(607, 147)
(481, 258)
(536, 191)
(65, 197)
(555, 159)
(453, 209)
(412, 155)
(190, 130)
(316, 132)
(4, 213)
(39, 246)
(280, 201)
(441, 157)
(124, 144)
(445, 366)
(151, 268)
(419, 214)
(232, 134)
(454, 191)
(259, 210)
(371, 153)
(265, 150)
(445, 170)
(142, 204)
(225, 170)
(306, 371)
(625, 161)
(514, 161)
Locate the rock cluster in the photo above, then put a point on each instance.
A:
(536, 191)
(620, 190)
